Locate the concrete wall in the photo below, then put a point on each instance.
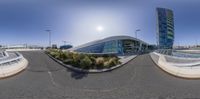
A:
(12, 66)
(23, 49)
(13, 69)
(185, 70)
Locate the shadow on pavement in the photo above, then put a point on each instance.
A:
(77, 75)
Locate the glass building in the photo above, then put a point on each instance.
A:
(165, 28)
(120, 45)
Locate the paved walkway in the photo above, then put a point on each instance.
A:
(139, 79)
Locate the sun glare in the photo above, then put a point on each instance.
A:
(99, 28)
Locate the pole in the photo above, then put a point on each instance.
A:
(49, 31)
(136, 32)
(64, 42)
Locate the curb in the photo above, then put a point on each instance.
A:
(91, 70)
(23, 64)
(175, 72)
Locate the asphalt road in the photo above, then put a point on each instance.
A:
(139, 79)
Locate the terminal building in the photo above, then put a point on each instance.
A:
(119, 45)
(165, 28)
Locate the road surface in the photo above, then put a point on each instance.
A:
(139, 79)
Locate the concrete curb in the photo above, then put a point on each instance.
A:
(91, 70)
(7, 71)
(182, 72)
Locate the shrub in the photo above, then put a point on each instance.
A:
(69, 55)
(68, 61)
(85, 62)
(57, 56)
(106, 64)
(62, 55)
(99, 62)
(81, 56)
(54, 54)
(111, 62)
(93, 59)
(76, 57)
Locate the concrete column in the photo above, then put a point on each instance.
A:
(140, 48)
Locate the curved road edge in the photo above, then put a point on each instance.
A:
(188, 72)
(13, 69)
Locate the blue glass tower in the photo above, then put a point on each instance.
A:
(165, 28)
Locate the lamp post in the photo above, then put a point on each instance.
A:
(49, 31)
(64, 42)
(136, 32)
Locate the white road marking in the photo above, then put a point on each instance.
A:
(50, 74)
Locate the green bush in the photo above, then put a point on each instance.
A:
(76, 58)
(54, 54)
(85, 62)
(93, 59)
(69, 55)
(68, 61)
(62, 55)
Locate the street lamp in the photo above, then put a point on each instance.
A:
(136, 32)
(49, 31)
(64, 42)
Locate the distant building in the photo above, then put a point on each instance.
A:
(165, 28)
(21, 46)
(15, 46)
(54, 46)
(66, 46)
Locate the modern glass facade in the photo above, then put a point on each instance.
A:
(165, 28)
(111, 47)
(97, 48)
(116, 46)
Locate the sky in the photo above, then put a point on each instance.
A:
(76, 21)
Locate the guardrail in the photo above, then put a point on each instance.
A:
(5, 55)
(178, 61)
(164, 51)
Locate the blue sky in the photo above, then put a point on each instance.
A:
(75, 21)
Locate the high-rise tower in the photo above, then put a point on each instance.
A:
(165, 28)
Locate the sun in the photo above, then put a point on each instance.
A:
(99, 28)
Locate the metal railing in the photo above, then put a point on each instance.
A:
(165, 51)
(11, 61)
